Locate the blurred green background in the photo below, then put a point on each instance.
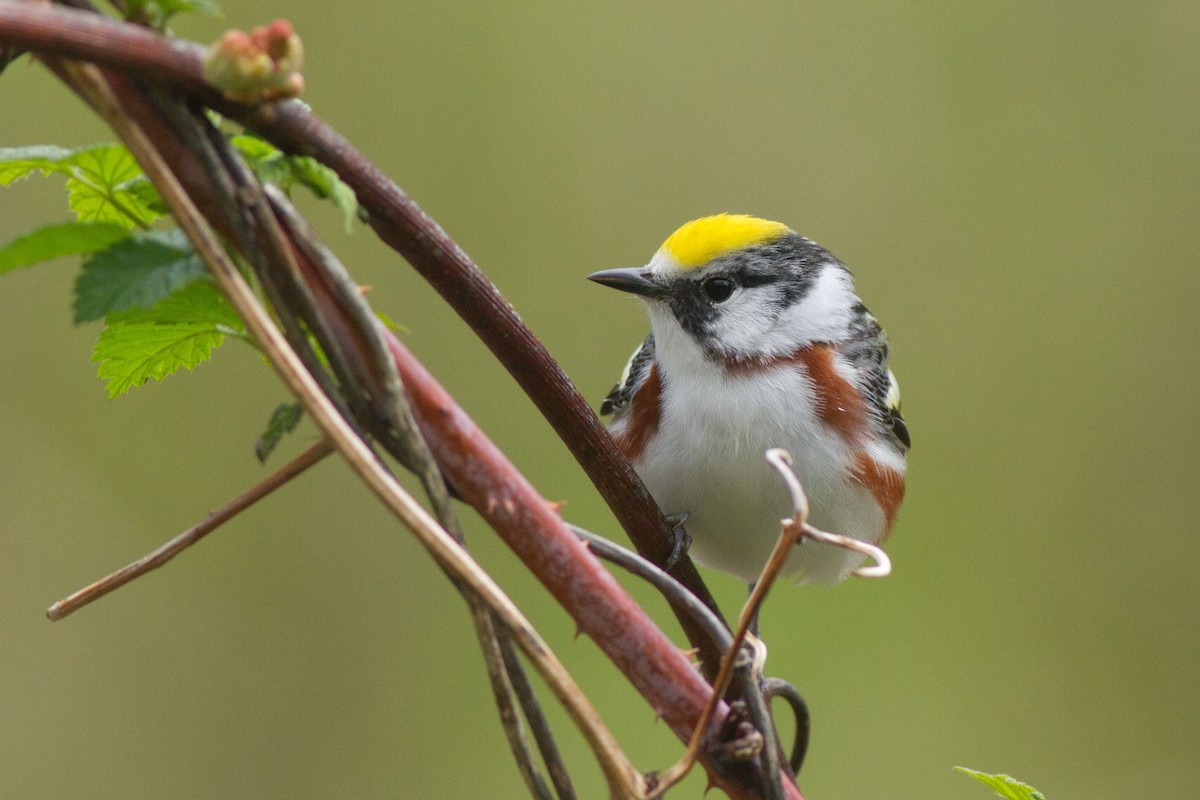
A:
(1016, 188)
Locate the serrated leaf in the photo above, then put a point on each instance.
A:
(1004, 785)
(57, 240)
(137, 272)
(131, 353)
(96, 180)
(284, 420)
(94, 190)
(198, 302)
(274, 166)
(17, 163)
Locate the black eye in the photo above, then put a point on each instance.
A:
(719, 289)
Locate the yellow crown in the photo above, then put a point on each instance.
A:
(702, 240)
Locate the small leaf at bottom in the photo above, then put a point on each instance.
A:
(1005, 786)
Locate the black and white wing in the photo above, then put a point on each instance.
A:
(635, 372)
(866, 348)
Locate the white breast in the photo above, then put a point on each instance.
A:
(707, 460)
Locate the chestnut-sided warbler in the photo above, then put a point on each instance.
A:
(758, 341)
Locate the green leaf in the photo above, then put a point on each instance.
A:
(145, 194)
(196, 303)
(255, 149)
(95, 193)
(103, 181)
(179, 332)
(1005, 786)
(136, 272)
(57, 240)
(326, 185)
(131, 353)
(283, 421)
(274, 166)
(17, 163)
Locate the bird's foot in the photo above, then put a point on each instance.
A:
(681, 541)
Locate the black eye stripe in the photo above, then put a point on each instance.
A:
(752, 279)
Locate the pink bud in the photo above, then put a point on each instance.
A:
(258, 66)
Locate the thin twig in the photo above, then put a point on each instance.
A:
(538, 724)
(781, 460)
(506, 695)
(622, 777)
(161, 555)
(777, 687)
(674, 591)
(345, 320)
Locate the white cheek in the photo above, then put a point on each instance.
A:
(823, 314)
(744, 328)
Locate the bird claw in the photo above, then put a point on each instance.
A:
(681, 540)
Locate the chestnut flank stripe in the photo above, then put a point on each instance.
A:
(644, 413)
(885, 485)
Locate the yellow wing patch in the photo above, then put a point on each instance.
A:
(702, 240)
(893, 392)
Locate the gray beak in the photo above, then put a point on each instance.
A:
(635, 280)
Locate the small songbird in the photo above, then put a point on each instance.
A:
(758, 341)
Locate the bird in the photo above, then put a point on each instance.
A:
(758, 340)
